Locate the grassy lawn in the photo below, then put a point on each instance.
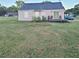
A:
(44, 39)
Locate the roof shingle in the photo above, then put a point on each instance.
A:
(42, 6)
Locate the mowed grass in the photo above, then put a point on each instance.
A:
(38, 39)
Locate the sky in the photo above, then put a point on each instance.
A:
(66, 3)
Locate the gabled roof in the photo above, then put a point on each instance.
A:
(42, 6)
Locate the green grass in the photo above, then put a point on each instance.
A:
(41, 39)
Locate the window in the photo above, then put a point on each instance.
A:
(56, 14)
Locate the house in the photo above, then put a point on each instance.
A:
(50, 10)
(11, 14)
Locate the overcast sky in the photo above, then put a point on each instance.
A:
(67, 3)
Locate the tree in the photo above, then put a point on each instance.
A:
(19, 3)
(3, 10)
(76, 6)
(74, 10)
(0, 5)
(12, 9)
(69, 11)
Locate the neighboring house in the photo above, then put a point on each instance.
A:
(11, 14)
(50, 10)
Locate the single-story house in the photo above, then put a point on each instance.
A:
(50, 10)
(11, 14)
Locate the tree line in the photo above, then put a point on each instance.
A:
(74, 10)
(13, 8)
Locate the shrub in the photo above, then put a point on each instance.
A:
(37, 19)
(44, 18)
(34, 18)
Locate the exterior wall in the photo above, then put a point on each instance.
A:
(62, 13)
(27, 15)
(47, 13)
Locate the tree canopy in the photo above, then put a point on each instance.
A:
(3, 10)
(19, 3)
(74, 10)
(12, 9)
